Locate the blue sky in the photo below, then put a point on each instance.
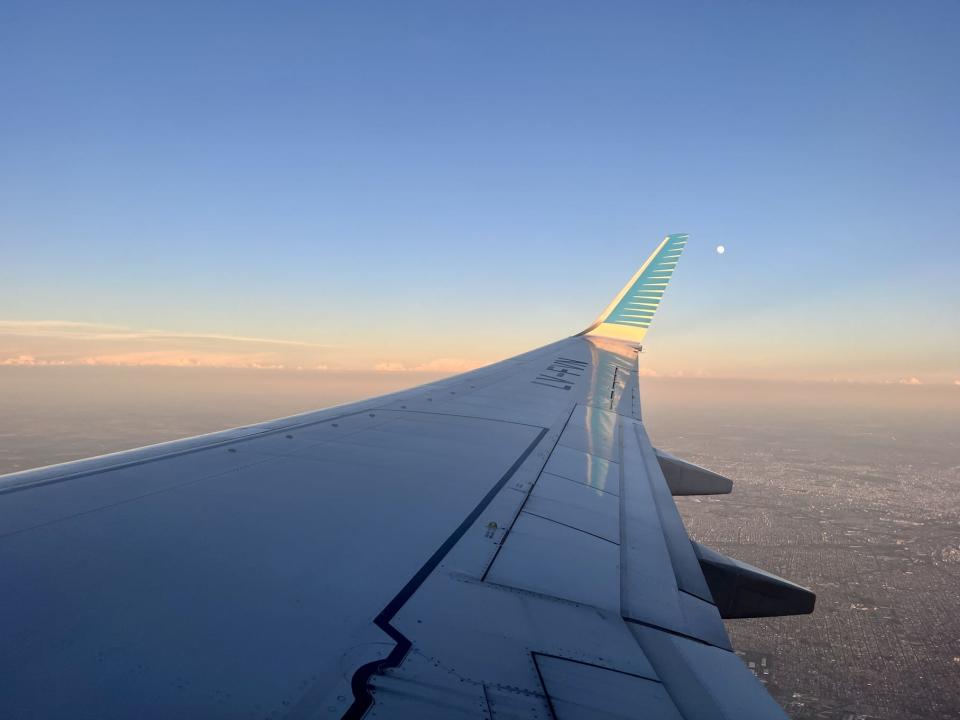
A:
(414, 181)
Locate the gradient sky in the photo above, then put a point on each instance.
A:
(438, 184)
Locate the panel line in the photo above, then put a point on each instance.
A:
(359, 683)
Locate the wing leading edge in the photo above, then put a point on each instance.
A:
(499, 544)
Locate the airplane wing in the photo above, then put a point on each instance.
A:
(499, 544)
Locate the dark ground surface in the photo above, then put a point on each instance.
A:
(859, 503)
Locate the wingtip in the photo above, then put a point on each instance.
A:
(632, 310)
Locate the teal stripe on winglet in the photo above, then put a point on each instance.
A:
(648, 288)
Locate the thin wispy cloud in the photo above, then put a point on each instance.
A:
(171, 358)
(30, 361)
(46, 343)
(94, 331)
(440, 365)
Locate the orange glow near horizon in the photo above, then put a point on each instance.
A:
(60, 343)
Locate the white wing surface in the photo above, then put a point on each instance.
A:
(500, 544)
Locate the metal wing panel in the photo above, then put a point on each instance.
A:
(685, 564)
(582, 467)
(577, 505)
(541, 555)
(234, 592)
(706, 682)
(581, 691)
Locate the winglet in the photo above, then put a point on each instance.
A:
(630, 313)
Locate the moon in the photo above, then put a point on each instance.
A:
(721, 249)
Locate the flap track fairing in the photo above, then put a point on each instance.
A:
(685, 478)
(743, 591)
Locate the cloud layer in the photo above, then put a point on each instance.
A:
(43, 343)
(439, 365)
(47, 343)
(60, 342)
